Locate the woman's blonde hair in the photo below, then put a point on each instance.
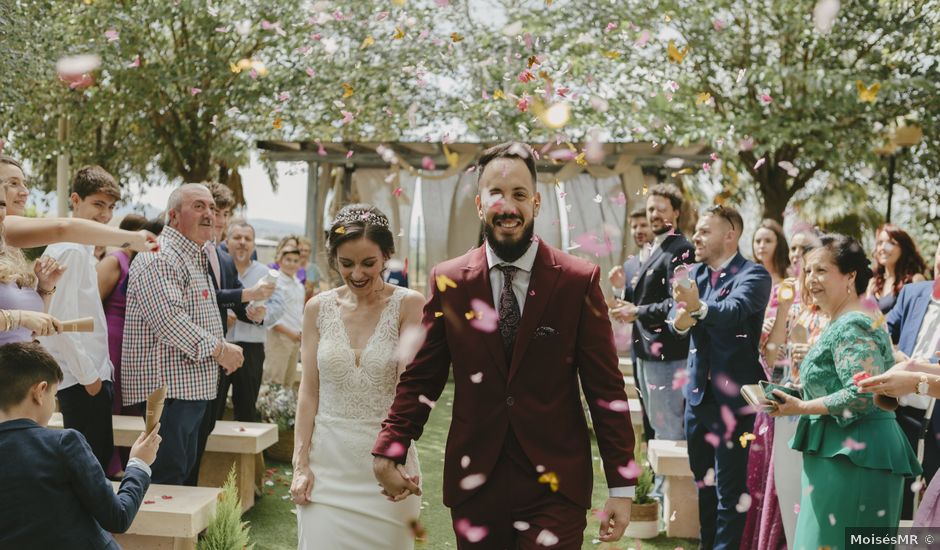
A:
(14, 267)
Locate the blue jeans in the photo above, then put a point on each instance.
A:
(179, 428)
(665, 406)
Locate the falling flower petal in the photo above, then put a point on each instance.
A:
(546, 538)
(712, 439)
(443, 282)
(744, 503)
(631, 471)
(824, 15)
(853, 445)
(112, 35)
(472, 533)
(464, 461)
(476, 377)
(520, 526)
(550, 478)
(483, 317)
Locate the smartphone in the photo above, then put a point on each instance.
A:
(769, 388)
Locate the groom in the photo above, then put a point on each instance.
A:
(518, 468)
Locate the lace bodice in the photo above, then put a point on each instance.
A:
(348, 391)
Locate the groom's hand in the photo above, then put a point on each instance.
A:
(616, 518)
(396, 484)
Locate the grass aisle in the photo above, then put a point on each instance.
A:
(274, 525)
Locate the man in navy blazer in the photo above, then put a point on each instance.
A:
(914, 324)
(622, 279)
(55, 491)
(660, 353)
(722, 310)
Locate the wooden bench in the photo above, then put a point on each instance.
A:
(231, 443)
(170, 523)
(680, 499)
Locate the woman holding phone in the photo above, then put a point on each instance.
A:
(855, 457)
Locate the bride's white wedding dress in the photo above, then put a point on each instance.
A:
(356, 390)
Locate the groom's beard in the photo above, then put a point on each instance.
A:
(509, 251)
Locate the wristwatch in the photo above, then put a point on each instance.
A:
(922, 387)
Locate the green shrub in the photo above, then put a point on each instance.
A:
(644, 484)
(227, 531)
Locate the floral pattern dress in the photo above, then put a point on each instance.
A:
(855, 458)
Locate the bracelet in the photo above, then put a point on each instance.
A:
(42, 292)
(19, 319)
(8, 320)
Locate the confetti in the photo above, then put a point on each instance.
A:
(467, 530)
(520, 525)
(483, 317)
(550, 478)
(824, 15)
(348, 90)
(546, 538)
(745, 438)
(675, 55)
(744, 503)
(476, 377)
(853, 445)
(444, 282)
(631, 471)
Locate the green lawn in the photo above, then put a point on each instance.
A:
(274, 527)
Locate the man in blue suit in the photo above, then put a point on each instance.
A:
(55, 492)
(722, 310)
(914, 324)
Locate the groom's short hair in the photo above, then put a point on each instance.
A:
(509, 149)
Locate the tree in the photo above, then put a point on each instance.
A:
(180, 86)
(780, 100)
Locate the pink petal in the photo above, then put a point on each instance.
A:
(712, 439)
(630, 471)
(680, 379)
(472, 533)
(729, 420)
(195, 91)
(485, 318)
(424, 400)
(472, 481)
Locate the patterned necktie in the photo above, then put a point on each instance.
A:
(509, 315)
(213, 256)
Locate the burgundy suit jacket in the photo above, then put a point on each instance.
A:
(564, 336)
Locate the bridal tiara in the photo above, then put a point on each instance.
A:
(361, 216)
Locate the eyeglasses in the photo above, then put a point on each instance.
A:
(722, 212)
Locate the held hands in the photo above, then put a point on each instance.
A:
(615, 519)
(616, 277)
(302, 485)
(146, 446)
(396, 484)
(686, 294)
(48, 272)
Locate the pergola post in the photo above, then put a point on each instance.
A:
(312, 220)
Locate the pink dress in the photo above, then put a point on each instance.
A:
(928, 514)
(114, 306)
(763, 528)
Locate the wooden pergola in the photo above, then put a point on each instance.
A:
(451, 158)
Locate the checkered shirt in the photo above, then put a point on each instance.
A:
(172, 323)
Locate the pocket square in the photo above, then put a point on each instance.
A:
(545, 332)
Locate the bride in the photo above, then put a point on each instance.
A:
(351, 364)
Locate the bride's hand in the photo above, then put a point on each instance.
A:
(396, 484)
(302, 485)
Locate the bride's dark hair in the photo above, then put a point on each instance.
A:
(357, 221)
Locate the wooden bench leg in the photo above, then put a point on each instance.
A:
(215, 468)
(680, 507)
(149, 542)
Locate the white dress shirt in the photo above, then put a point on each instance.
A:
(520, 287)
(83, 356)
(927, 339)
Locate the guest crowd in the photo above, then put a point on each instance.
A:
(847, 434)
(849, 342)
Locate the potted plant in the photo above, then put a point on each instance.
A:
(644, 515)
(277, 404)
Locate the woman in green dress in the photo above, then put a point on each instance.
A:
(855, 457)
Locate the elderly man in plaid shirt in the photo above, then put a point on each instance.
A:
(173, 335)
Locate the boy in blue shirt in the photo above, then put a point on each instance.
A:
(55, 494)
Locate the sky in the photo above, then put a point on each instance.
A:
(286, 205)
